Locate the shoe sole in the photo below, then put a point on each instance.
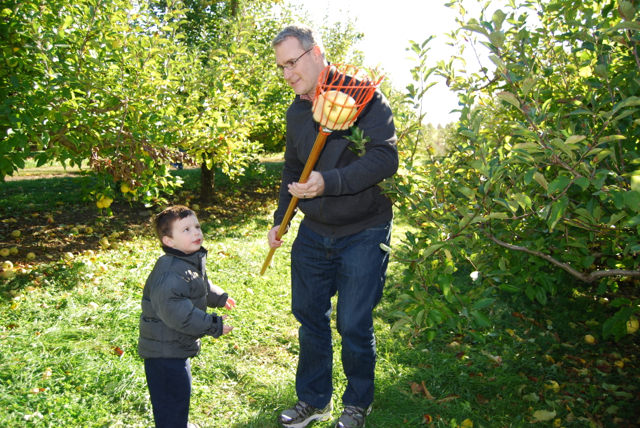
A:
(319, 417)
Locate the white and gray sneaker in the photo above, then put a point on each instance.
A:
(353, 416)
(302, 414)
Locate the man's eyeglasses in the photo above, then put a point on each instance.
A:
(290, 65)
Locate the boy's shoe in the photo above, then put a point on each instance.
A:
(302, 414)
(353, 416)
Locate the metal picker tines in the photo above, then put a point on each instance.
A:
(342, 93)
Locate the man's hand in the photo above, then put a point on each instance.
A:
(271, 236)
(312, 188)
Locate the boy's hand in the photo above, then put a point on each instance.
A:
(226, 328)
(230, 303)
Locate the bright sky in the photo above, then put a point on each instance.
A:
(388, 27)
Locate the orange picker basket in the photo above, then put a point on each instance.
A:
(342, 93)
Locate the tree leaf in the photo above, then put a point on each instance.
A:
(483, 303)
(509, 97)
(541, 180)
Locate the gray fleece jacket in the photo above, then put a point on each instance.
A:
(352, 201)
(174, 306)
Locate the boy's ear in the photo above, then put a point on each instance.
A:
(167, 241)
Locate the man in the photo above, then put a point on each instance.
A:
(337, 249)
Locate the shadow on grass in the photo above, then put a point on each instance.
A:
(46, 211)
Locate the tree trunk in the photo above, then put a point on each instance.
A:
(207, 183)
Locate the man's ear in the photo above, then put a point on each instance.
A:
(167, 241)
(317, 51)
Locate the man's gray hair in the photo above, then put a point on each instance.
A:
(307, 36)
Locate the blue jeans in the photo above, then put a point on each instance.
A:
(169, 382)
(355, 267)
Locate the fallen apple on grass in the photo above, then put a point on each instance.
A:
(31, 256)
(13, 251)
(589, 339)
(16, 233)
(5, 252)
(8, 274)
(7, 265)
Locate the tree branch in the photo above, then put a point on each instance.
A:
(590, 278)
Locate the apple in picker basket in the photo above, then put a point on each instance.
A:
(339, 107)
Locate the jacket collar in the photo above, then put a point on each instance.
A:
(202, 252)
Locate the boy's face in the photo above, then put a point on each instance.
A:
(186, 235)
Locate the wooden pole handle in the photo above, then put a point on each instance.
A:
(306, 172)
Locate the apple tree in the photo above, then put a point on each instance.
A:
(539, 191)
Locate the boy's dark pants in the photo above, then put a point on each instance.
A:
(169, 381)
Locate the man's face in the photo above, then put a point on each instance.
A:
(186, 235)
(304, 76)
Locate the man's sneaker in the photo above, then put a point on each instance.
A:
(353, 416)
(302, 414)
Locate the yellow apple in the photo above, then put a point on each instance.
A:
(8, 274)
(13, 250)
(125, 188)
(88, 229)
(7, 265)
(15, 233)
(632, 325)
(589, 339)
(99, 204)
(339, 107)
(5, 252)
(31, 256)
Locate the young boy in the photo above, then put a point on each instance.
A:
(174, 315)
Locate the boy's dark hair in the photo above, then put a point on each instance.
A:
(163, 222)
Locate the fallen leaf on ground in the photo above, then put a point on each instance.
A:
(543, 415)
(420, 389)
(496, 359)
(448, 399)
(427, 394)
(481, 400)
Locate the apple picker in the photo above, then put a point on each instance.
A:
(342, 93)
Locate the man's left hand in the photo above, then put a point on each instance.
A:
(312, 188)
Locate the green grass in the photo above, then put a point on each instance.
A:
(64, 324)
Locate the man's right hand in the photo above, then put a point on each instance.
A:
(271, 236)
